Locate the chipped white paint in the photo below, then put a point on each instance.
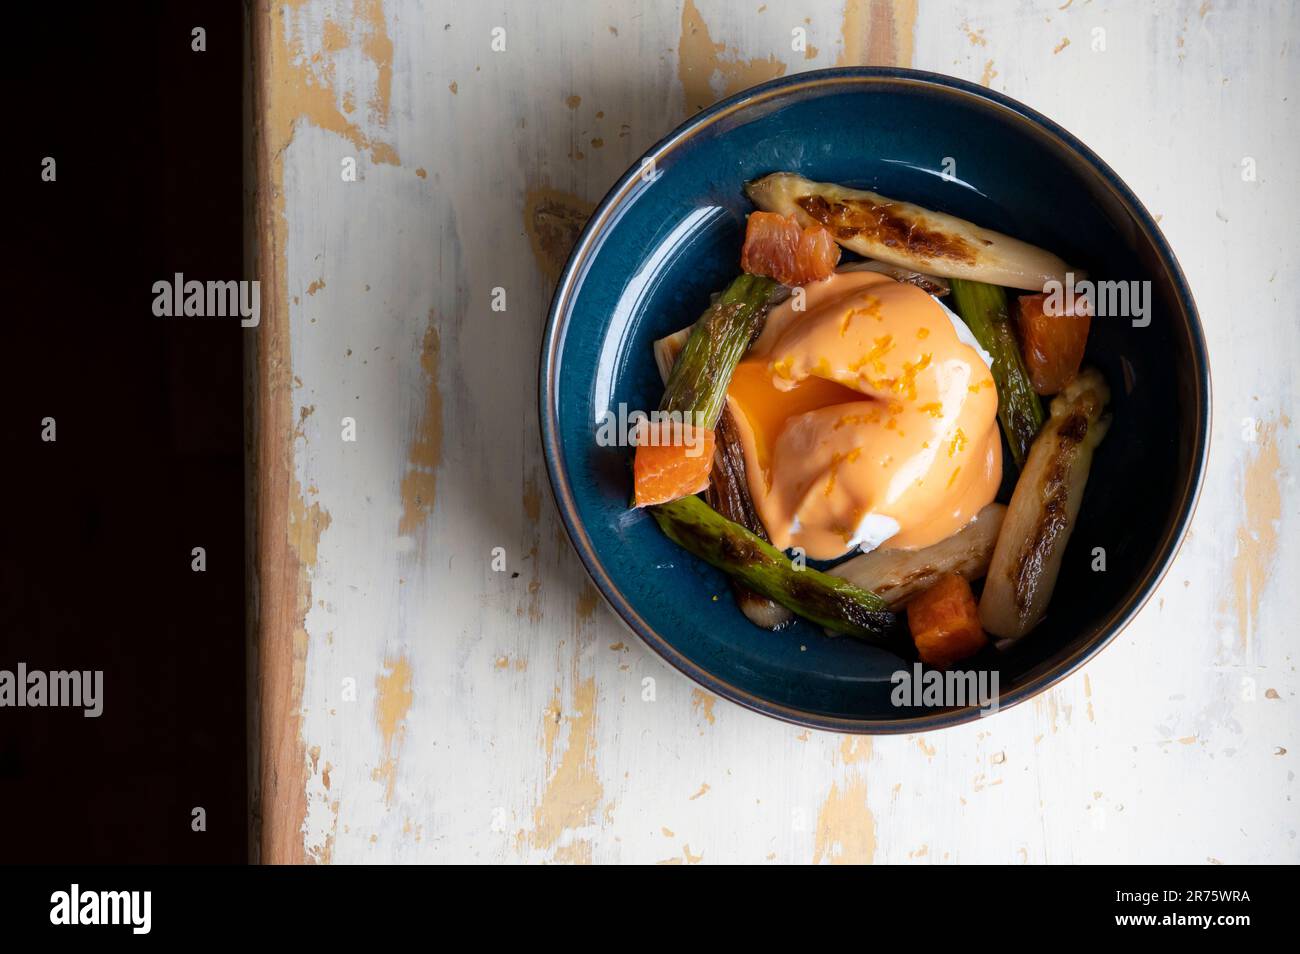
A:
(525, 735)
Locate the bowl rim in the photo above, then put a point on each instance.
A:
(559, 315)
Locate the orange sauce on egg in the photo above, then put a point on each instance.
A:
(865, 404)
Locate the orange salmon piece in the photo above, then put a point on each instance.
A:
(776, 246)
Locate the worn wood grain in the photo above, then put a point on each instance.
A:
(418, 705)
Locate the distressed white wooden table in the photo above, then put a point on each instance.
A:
(416, 704)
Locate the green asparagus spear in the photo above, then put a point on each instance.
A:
(834, 603)
(698, 382)
(984, 309)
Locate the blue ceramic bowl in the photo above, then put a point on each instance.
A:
(663, 239)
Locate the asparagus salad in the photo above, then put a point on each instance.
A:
(858, 412)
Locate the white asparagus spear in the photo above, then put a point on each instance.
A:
(930, 284)
(907, 235)
(1043, 511)
(898, 575)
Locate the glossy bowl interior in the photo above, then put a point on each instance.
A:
(669, 234)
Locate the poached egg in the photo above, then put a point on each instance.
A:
(867, 414)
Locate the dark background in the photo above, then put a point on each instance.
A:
(95, 549)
